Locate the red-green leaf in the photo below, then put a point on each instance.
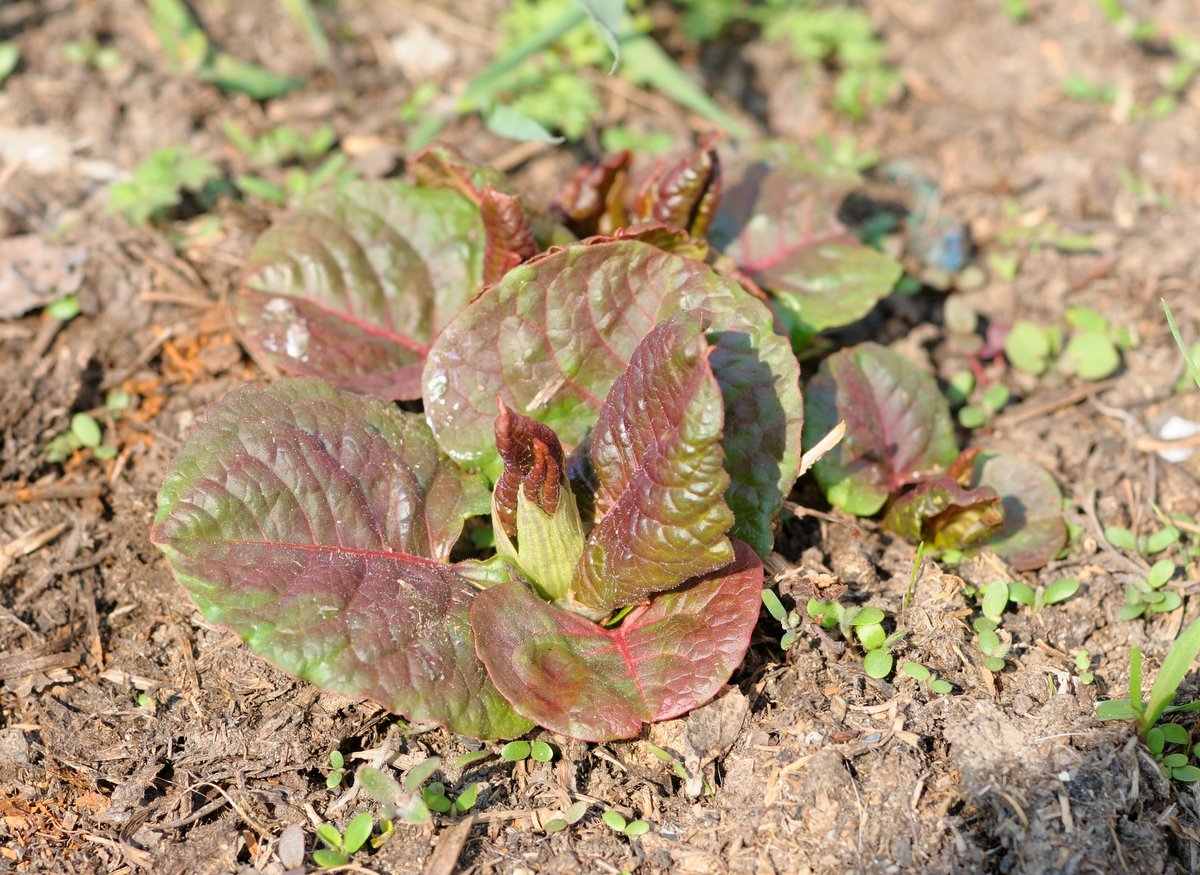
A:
(1034, 531)
(658, 461)
(509, 236)
(533, 461)
(684, 194)
(355, 283)
(778, 220)
(556, 332)
(898, 426)
(943, 514)
(578, 678)
(593, 201)
(314, 522)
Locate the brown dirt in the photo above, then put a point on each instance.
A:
(816, 767)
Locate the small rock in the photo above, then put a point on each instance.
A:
(14, 747)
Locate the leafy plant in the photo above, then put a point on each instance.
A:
(1145, 545)
(1092, 351)
(337, 773)
(861, 624)
(1083, 666)
(789, 620)
(623, 411)
(158, 183)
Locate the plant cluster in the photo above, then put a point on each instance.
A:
(607, 384)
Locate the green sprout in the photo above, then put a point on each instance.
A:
(566, 817)
(157, 184)
(1042, 596)
(1083, 666)
(864, 624)
(339, 847)
(616, 821)
(1147, 595)
(923, 675)
(1144, 545)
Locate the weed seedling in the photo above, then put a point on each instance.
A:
(538, 751)
(566, 817)
(615, 821)
(1083, 666)
(10, 56)
(158, 183)
(1147, 596)
(338, 846)
(864, 624)
(789, 620)
(1043, 596)
(1145, 545)
(923, 675)
(337, 773)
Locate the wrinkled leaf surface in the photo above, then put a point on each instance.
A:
(573, 676)
(898, 426)
(315, 523)
(657, 458)
(556, 332)
(778, 219)
(355, 283)
(944, 514)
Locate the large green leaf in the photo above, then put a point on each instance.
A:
(315, 524)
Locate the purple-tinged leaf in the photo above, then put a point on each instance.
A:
(778, 220)
(944, 514)
(593, 200)
(533, 462)
(657, 457)
(1034, 531)
(898, 426)
(578, 678)
(684, 194)
(556, 332)
(509, 236)
(314, 522)
(355, 283)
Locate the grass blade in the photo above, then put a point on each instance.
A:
(1135, 685)
(607, 16)
(303, 14)
(483, 86)
(1175, 666)
(645, 63)
(1193, 367)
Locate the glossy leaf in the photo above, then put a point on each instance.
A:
(684, 194)
(533, 462)
(578, 678)
(658, 461)
(898, 426)
(354, 284)
(552, 337)
(1034, 530)
(593, 200)
(944, 515)
(778, 220)
(509, 236)
(313, 522)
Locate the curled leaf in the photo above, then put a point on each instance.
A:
(593, 200)
(314, 523)
(533, 462)
(657, 458)
(684, 194)
(581, 679)
(944, 515)
(898, 426)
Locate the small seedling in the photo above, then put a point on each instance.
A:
(1145, 545)
(923, 675)
(10, 56)
(615, 821)
(1043, 596)
(64, 309)
(538, 751)
(84, 433)
(158, 183)
(864, 624)
(339, 846)
(281, 144)
(338, 772)
(1147, 596)
(567, 817)
(991, 401)
(1191, 359)
(1092, 351)
(145, 700)
(1083, 667)
(91, 54)
(789, 620)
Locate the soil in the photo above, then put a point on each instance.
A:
(814, 766)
